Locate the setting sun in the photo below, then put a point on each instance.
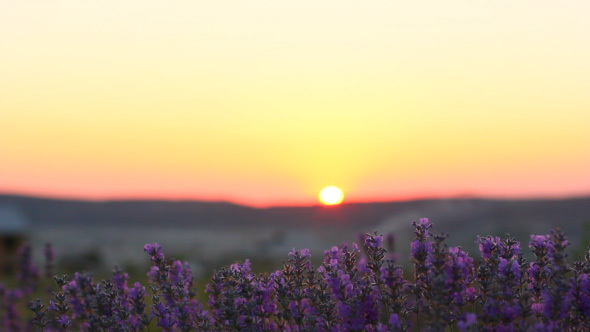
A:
(262, 103)
(331, 195)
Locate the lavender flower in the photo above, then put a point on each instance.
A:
(354, 289)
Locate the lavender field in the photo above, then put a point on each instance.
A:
(297, 166)
(356, 287)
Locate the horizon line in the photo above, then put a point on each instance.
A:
(283, 205)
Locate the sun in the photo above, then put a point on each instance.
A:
(331, 196)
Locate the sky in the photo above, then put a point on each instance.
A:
(266, 102)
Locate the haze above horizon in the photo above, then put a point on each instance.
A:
(266, 102)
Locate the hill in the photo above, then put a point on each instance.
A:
(116, 230)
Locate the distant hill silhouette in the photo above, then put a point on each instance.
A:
(44, 211)
(116, 231)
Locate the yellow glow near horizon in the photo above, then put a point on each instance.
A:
(262, 102)
(331, 195)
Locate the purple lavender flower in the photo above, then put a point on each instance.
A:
(303, 253)
(63, 321)
(422, 226)
(155, 251)
(374, 241)
(540, 243)
(420, 250)
(354, 289)
(488, 246)
(120, 279)
(467, 320)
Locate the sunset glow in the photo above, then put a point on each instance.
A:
(264, 102)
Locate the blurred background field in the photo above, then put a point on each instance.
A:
(96, 236)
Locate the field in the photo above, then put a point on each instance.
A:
(356, 287)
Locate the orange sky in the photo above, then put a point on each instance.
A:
(266, 102)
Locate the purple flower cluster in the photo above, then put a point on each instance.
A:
(355, 288)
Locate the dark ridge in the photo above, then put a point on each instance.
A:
(44, 211)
